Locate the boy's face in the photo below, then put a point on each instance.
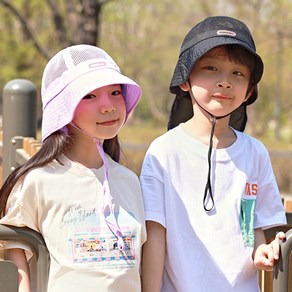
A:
(218, 84)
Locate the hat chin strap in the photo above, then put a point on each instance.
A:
(213, 119)
(208, 187)
(212, 116)
(108, 204)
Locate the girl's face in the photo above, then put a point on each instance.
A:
(102, 112)
(219, 84)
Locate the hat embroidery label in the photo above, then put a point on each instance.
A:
(226, 32)
(97, 64)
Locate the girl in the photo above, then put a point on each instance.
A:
(209, 189)
(74, 192)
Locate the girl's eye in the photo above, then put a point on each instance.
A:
(116, 92)
(89, 96)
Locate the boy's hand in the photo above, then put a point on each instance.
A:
(267, 254)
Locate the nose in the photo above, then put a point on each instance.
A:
(223, 81)
(108, 109)
(224, 84)
(107, 105)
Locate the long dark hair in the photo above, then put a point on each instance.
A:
(52, 149)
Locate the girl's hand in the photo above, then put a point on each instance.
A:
(266, 254)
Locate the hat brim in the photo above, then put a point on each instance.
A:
(60, 111)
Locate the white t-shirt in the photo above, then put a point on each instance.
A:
(209, 251)
(64, 203)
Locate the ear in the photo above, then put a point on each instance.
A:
(185, 86)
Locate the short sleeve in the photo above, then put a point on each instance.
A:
(15, 244)
(153, 189)
(22, 205)
(269, 211)
(269, 208)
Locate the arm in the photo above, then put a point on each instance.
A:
(17, 256)
(265, 255)
(153, 257)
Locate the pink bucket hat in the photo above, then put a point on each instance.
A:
(73, 73)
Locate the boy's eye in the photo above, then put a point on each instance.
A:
(211, 68)
(89, 96)
(238, 73)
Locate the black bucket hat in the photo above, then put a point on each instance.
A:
(212, 32)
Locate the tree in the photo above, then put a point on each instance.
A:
(30, 38)
(144, 37)
(74, 21)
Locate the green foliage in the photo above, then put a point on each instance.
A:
(144, 37)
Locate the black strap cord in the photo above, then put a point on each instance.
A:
(208, 187)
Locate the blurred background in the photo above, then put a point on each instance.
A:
(144, 38)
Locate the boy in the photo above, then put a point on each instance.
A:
(209, 189)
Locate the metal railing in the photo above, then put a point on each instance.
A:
(40, 261)
(282, 272)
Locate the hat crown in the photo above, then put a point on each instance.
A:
(70, 63)
(218, 26)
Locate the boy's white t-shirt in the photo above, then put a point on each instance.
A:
(209, 251)
(64, 203)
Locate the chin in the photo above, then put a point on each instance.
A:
(106, 136)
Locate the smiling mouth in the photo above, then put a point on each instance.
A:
(108, 123)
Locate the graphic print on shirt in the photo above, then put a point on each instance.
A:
(91, 242)
(247, 209)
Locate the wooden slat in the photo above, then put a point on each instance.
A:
(288, 205)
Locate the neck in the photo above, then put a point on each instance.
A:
(200, 128)
(83, 150)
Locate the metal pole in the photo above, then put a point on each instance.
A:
(282, 271)
(41, 258)
(19, 116)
